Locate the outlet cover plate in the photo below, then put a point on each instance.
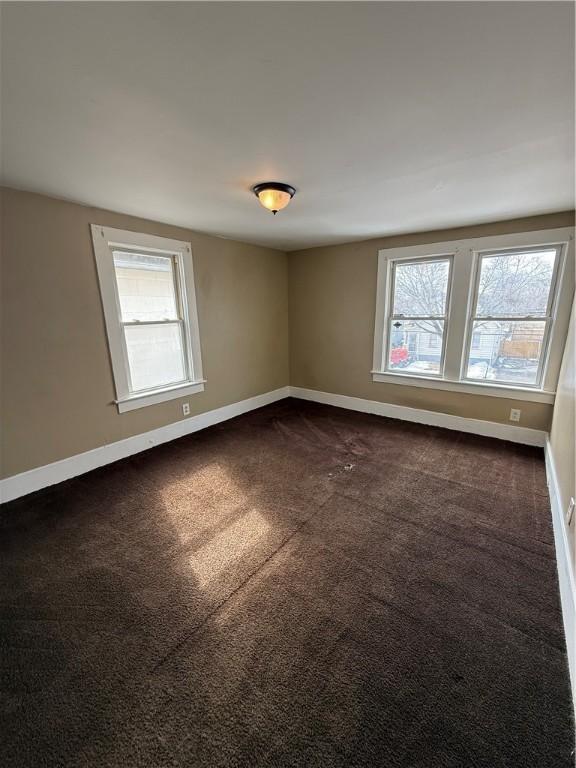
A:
(570, 511)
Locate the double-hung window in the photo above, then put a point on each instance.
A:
(512, 315)
(486, 315)
(147, 289)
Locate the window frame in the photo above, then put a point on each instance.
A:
(391, 316)
(458, 334)
(106, 240)
(546, 318)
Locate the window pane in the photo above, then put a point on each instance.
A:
(416, 346)
(420, 288)
(506, 351)
(145, 286)
(515, 284)
(155, 355)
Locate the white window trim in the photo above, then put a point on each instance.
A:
(465, 255)
(106, 239)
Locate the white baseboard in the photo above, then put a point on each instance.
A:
(566, 576)
(433, 418)
(41, 477)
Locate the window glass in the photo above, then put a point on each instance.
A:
(416, 326)
(515, 284)
(506, 351)
(146, 287)
(421, 288)
(415, 346)
(154, 355)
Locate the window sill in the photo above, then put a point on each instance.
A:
(528, 394)
(156, 396)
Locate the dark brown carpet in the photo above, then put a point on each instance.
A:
(302, 586)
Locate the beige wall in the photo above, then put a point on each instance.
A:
(332, 305)
(57, 386)
(563, 432)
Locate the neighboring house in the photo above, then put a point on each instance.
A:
(495, 343)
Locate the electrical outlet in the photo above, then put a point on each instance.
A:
(515, 414)
(186, 409)
(570, 511)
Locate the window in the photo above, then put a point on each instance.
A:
(419, 300)
(487, 315)
(147, 288)
(512, 315)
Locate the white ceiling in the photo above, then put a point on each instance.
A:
(387, 117)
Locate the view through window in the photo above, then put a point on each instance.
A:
(151, 321)
(511, 318)
(418, 320)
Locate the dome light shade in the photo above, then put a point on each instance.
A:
(274, 195)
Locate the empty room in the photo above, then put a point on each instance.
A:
(287, 385)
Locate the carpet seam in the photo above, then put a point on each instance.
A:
(232, 594)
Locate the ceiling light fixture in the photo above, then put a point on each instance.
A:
(274, 195)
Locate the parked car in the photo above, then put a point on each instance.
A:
(399, 357)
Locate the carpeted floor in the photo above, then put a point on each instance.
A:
(302, 586)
